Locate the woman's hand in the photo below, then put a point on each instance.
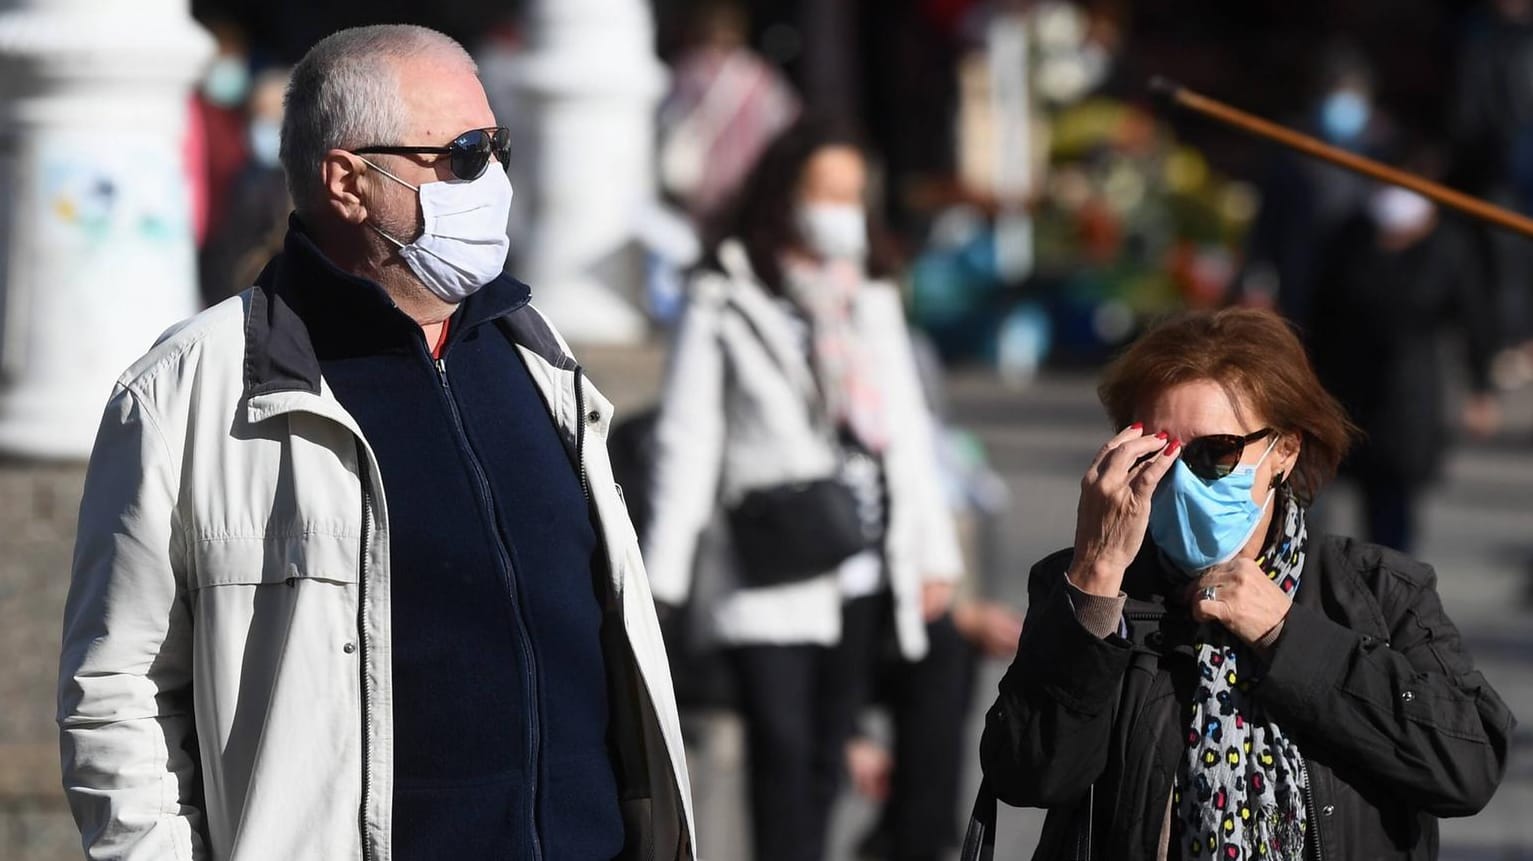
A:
(991, 627)
(1245, 601)
(871, 768)
(936, 598)
(1114, 509)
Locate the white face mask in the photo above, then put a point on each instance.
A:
(1396, 210)
(265, 138)
(463, 242)
(835, 231)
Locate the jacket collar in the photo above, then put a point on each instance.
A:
(304, 308)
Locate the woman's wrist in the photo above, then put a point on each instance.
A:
(1096, 578)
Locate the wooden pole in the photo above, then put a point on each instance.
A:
(1179, 96)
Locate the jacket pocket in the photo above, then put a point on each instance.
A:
(275, 560)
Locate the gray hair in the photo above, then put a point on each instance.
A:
(344, 93)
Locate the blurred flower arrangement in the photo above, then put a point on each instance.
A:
(1122, 222)
(1130, 224)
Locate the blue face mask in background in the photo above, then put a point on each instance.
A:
(1343, 115)
(1199, 524)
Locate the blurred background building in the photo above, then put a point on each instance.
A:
(1043, 210)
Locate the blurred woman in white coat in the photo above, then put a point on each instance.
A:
(794, 472)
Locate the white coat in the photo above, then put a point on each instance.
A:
(736, 415)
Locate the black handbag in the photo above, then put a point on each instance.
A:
(791, 532)
(794, 531)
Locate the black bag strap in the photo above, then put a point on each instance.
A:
(817, 408)
(979, 839)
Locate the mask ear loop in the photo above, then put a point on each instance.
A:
(414, 188)
(1280, 477)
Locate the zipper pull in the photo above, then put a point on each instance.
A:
(441, 369)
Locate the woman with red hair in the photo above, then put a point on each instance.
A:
(1201, 676)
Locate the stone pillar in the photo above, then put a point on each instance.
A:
(96, 248)
(591, 82)
(1011, 104)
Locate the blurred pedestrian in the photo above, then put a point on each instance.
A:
(218, 115)
(1201, 676)
(1491, 123)
(352, 578)
(915, 781)
(255, 221)
(1393, 284)
(725, 106)
(1304, 200)
(794, 469)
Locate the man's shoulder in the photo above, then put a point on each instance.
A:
(533, 331)
(216, 333)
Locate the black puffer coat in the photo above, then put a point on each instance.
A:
(1369, 677)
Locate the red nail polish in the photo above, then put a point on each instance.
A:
(1171, 449)
(1136, 426)
(1162, 435)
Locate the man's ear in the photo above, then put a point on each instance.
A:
(341, 176)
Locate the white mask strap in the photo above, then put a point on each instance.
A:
(385, 235)
(414, 188)
(1270, 447)
(401, 182)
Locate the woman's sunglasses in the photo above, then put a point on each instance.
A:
(1214, 456)
(468, 154)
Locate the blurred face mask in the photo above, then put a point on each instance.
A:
(1199, 523)
(463, 242)
(265, 140)
(1344, 115)
(227, 81)
(834, 231)
(1396, 210)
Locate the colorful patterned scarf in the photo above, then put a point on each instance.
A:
(827, 294)
(1240, 792)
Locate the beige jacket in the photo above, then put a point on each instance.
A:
(224, 688)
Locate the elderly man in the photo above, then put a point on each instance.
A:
(353, 579)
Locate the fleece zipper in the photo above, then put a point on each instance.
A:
(529, 658)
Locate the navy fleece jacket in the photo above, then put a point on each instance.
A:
(500, 705)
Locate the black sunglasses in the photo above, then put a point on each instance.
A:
(469, 152)
(1214, 456)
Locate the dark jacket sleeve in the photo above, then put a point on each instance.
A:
(1047, 735)
(1412, 712)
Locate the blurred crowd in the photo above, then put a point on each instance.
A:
(1031, 211)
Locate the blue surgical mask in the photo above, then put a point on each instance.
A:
(1343, 115)
(1199, 524)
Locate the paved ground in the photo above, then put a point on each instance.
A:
(1479, 534)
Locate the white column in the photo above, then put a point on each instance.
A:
(591, 82)
(96, 248)
(1011, 105)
